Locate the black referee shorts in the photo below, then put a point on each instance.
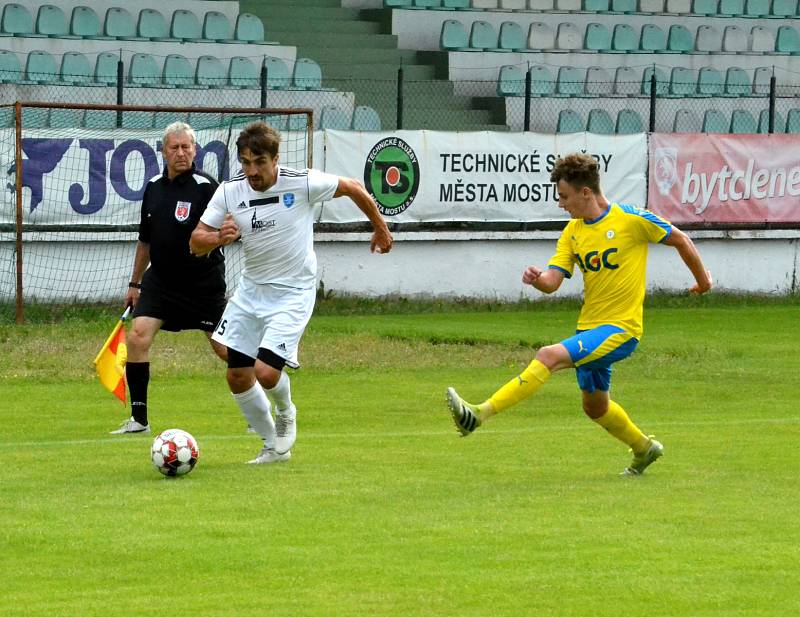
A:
(180, 310)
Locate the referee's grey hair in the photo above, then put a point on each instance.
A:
(179, 127)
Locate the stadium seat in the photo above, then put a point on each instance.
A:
(761, 80)
(763, 122)
(210, 72)
(249, 29)
(484, 4)
(41, 68)
(568, 6)
(119, 24)
(512, 5)
(138, 119)
(600, 122)
(427, 4)
(100, 119)
(709, 82)
(16, 21)
(570, 81)
(705, 7)
(629, 121)
(453, 36)
(569, 121)
(105, 68)
(51, 21)
(708, 40)
(734, 40)
(542, 6)
(714, 121)
(512, 37)
(624, 39)
(756, 8)
(568, 37)
(85, 23)
(143, 71)
(334, 118)
(653, 39)
(596, 6)
(204, 120)
(597, 38)
(662, 82)
(787, 41)
(793, 121)
(65, 118)
(365, 118)
(34, 118)
(623, 6)
(216, 27)
(737, 83)
(6, 117)
(185, 26)
(679, 40)
(163, 119)
(678, 7)
(651, 7)
(685, 121)
(482, 36)
(455, 4)
(682, 82)
(783, 9)
(731, 8)
(598, 83)
(762, 40)
(278, 76)
(541, 37)
(626, 81)
(542, 82)
(178, 72)
(10, 68)
(242, 73)
(307, 74)
(152, 25)
(742, 122)
(511, 81)
(76, 69)
(397, 4)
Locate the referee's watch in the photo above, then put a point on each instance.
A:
(135, 285)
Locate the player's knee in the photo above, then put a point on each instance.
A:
(554, 357)
(240, 379)
(595, 409)
(139, 341)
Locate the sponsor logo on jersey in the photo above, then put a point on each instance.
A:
(182, 209)
(288, 199)
(593, 261)
(257, 224)
(391, 175)
(242, 206)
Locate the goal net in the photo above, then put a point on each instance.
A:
(74, 180)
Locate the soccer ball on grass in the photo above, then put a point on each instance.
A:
(174, 452)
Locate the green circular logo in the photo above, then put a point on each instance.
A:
(391, 175)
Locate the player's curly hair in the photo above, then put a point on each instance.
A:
(259, 138)
(578, 170)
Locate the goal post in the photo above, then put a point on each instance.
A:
(75, 176)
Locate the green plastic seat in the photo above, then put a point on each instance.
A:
(453, 36)
(783, 9)
(653, 39)
(511, 81)
(163, 119)
(731, 8)
(51, 21)
(334, 118)
(16, 20)
(679, 40)
(512, 37)
(426, 4)
(210, 72)
(570, 81)
(628, 122)
(651, 7)
(138, 119)
(542, 82)
(600, 122)
(10, 68)
(249, 29)
(185, 26)
(34, 118)
(761, 80)
(569, 121)
(65, 118)
(598, 82)
(569, 37)
(627, 81)
(177, 72)
(153, 25)
(278, 76)
(763, 122)
(682, 82)
(756, 8)
(119, 24)
(662, 82)
(714, 121)
(105, 68)
(624, 39)
(685, 121)
(455, 4)
(75, 68)
(85, 23)
(205, 120)
(742, 122)
(397, 4)
(596, 6)
(217, 27)
(365, 118)
(707, 40)
(482, 36)
(6, 117)
(100, 119)
(623, 6)
(242, 73)
(709, 82)
(41, 68)
(143, 71)
(597, 38)
(737, 82)
(705, 7)
(793, 121)
(787, 41)
(307, 74)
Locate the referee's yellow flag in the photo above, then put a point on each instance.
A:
(110, 361)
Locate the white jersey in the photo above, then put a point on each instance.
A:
(277, 225)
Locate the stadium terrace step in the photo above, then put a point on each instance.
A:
(375, 71)
(374, 55)
(292, 11)
(363, 41)
(311, 26)
(253, 6)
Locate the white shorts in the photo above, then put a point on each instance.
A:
(269, 316)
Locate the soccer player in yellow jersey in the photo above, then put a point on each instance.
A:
(608, 242)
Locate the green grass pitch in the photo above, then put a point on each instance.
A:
(383, 510)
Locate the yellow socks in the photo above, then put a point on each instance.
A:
(516, 390)
(617, 422)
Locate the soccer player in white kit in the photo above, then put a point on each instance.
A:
(270, 207)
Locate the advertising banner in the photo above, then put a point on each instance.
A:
(428, 176)
(710, 178)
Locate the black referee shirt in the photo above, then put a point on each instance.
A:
(170, 212)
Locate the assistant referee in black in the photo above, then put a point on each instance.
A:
(178, 291)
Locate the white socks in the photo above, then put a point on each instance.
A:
(255, 407)
(281, 394)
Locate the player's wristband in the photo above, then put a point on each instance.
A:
(135, 285)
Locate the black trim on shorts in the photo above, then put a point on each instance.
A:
(269, 357)
(236, 359)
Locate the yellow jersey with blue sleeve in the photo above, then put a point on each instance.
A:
(611, 252)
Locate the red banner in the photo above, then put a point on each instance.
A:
(711, 178)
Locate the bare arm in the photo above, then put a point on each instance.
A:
(381, 238)
(546, 281)
(140, 262)
(206, 238)
(691, 257)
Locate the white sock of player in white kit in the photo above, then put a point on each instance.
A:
(281, 394)
(254, 405)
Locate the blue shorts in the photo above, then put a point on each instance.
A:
(594, 351)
